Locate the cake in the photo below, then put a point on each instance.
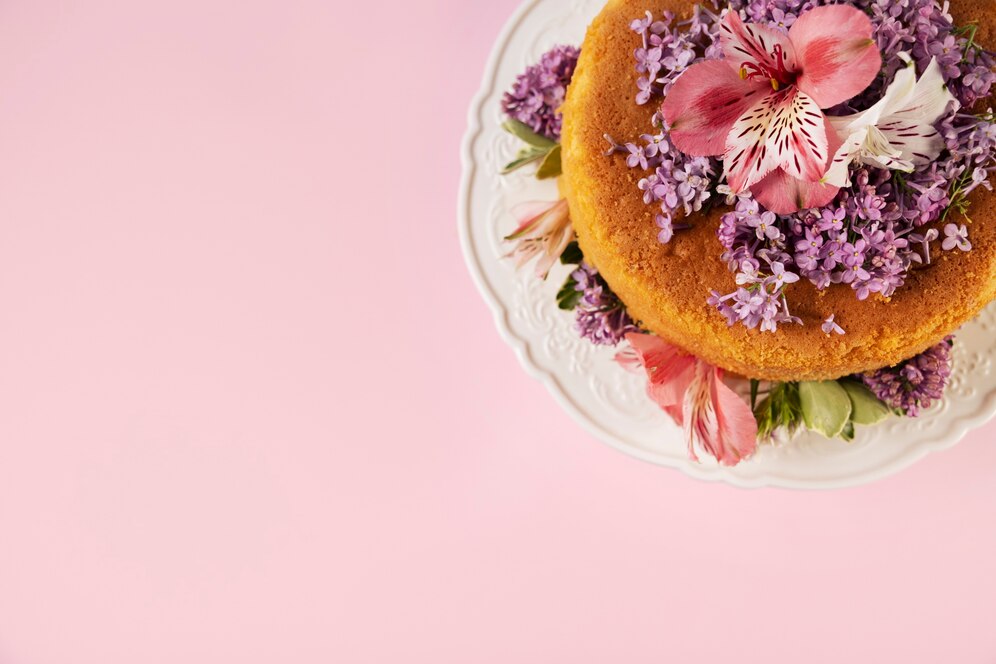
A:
(864, 319)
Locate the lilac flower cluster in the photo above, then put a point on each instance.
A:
(674, 182)
(868, 238)
(540, 91)
(669, 49)
(755, 248)
(780, 14)
(601, 316)
(971, 160)
(865, 239)
(927, 30)
(913, 385)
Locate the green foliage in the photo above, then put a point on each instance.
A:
(830, 408)
(536, 149)
(780, 410)
(568, 296)
(525, 157)
(826, 408)
(866, 409)
(550, 166)
(572, 255)
(528, 136)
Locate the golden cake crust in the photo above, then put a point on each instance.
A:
(665, 287)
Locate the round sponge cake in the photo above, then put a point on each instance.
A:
(665, 287)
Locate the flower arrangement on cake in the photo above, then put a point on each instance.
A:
(793, 193)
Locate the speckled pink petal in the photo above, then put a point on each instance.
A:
(669, 370)
(703, 105)
(837, 57)
(754, 44)
(784, 194)
(737, 425)
(784, 130)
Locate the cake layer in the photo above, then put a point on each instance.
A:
(666, 286)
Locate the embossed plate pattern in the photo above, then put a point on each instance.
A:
(607, 400)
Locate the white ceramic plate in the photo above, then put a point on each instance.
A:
(609, 401)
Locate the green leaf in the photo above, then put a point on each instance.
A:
(779, 410)
(754, 385)
(525, 156)
(865, 406)
(826, 408)
(569, 296)
(527, 135)
(550, 168)
(572, 255)
(848, 433)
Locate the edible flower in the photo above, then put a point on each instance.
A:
(545, 231)
(830, 326)
(956, 236)
(715, 419)
(760, 107)
(898, 132)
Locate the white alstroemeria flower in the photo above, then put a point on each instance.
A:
(898, 132)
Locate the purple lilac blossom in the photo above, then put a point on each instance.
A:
(601, 316)
(669, 48)
(755, 249)
(913, 385)
(956, 236)
(674, 182)
(830, 326)
(539, 92)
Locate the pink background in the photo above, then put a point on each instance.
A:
(255, 411)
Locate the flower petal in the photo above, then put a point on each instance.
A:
(903, 88)
(698, 417)
(913, 145)
(553, 249)
(754, 44)
(928, 101)
(737, 425)
(545, 231)
(703, 104)
(899, 92)
(910, 130)
(783, 130)
(669, 371)
(539, 219)
(782, 194)
(838, 175)
(837, 56)
(898, 132)
(716, 419)
(880, 151)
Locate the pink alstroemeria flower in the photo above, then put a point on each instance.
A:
(544, 230)
(760, 107)
(715, 419)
